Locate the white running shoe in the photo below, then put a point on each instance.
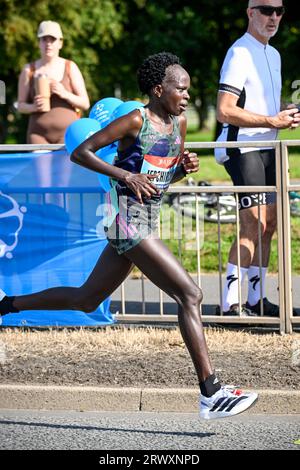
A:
(228, 401)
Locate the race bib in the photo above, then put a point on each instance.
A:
(163, 167)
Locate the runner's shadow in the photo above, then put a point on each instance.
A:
(108, 429)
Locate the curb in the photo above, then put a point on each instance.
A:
(81, 398)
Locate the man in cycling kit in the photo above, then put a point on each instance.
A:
(249, 109)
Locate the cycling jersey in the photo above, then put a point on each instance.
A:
(252, 72)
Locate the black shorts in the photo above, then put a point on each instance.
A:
(255, 168)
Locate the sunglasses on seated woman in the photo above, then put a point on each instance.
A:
(268, 10)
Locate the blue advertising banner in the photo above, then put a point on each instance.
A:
(51, 232)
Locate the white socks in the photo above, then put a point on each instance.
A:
(254, 283)
(231, 288)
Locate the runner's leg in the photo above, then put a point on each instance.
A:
(109, 272)
(155, 260)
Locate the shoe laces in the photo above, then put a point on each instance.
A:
(231, 389)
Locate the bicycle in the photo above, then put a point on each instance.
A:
(218, 208)
(295, 203)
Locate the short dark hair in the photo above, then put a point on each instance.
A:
(153, 70)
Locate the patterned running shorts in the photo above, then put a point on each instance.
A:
(133, 223)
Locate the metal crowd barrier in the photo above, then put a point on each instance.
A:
(286, 188)
(286, 319)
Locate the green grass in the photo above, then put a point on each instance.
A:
(213, 172)
(199, 136)
(216, 174)
(185, 248)
(287, 134)
(194, 135)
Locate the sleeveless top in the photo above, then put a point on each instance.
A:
(52, 124)
(152, 152)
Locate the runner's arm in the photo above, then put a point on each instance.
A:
(125, 130)
(190, 162)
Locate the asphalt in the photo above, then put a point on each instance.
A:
(80, 398)
(210, 285)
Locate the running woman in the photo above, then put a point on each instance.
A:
(151, 155)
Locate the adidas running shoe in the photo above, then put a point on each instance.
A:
(228, 401)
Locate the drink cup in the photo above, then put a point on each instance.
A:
(42, 87)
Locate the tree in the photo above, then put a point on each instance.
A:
(89, 27)
(110, 38)
(198, 32)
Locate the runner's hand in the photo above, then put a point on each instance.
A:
(140, 184)
(190, 162)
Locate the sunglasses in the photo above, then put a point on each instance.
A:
(269, 10)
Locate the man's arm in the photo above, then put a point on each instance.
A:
(228, 112)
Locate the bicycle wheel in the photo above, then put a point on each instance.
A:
(186, 205)
(226, 214)
(295, 208)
